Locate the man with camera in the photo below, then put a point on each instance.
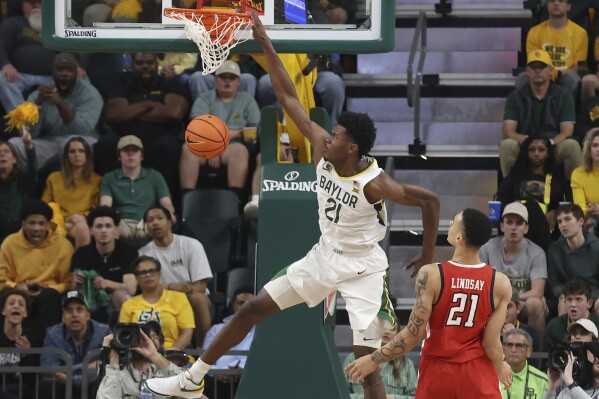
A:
(78, 334)
(576, 362)
(134, 355)
(527, 380)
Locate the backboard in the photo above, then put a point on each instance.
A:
(295, 26)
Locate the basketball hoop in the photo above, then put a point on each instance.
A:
(215, 31)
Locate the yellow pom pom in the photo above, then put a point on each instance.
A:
(26, 113)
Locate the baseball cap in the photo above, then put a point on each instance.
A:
(540, 56)
(228, 67)
(587, 325)
(65, 59)
(73, 296)
(516, 208)
(129, 140)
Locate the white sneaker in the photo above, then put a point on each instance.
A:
(250, 210)
(178, 385)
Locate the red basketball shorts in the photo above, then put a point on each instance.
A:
(475, 379)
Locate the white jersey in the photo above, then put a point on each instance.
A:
(184, 260)
(349, 224)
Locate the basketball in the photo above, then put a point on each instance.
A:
(207, 136)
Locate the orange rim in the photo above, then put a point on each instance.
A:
(209, 18)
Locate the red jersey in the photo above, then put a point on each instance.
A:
(455, 329)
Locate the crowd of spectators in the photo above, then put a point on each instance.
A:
(107, 164)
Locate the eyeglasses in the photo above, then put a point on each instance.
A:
(511, 345)
(149, 272)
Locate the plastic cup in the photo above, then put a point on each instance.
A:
(494, 211)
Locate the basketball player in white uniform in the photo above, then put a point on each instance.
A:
(352, 218)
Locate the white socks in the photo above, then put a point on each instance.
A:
(198, 370)
(255, 198)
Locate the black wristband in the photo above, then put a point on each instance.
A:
(572, 385)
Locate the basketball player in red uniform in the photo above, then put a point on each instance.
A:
(459, 311)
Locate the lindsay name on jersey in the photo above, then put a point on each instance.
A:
(467, 283)
(334, 191)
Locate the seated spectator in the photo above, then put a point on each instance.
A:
(585, 178)
(17, 182)
(511, 322)
(153, 108)
(539, 109)
(132, 189)
(14, 334)
(105, 261)
(200, 83)
(178, 66)
(238, 109)
(25, 62)
(527, 381)
(578, 301)
(566, 42)
(170, 308)
(77, 334)
(583, 330)
(37, 260)
(75, 188)
(399, 375)
(240, 297)
(522, 261)
(68, 107)
(536, 181)
(146, 361)
(186, 268)
(574, 256)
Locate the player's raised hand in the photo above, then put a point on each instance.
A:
(416, 263)
(259, 33)
(360, 368)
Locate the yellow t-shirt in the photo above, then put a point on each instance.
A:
(76, 200)
(566, 47)
(585, 187)
(172, 311)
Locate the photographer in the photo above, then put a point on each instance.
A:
(581, 373)
(142, 362)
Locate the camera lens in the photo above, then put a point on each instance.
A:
(125, 338)
(559, 358)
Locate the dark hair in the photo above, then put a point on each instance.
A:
(571, 208)
(36, 207)
(522, 164)
(65, 165)
(577, 287)
(244, 289)
(477, 227)
(18, 165)
(361, 129)
(143, 258)
(8, 291)
(166, 212)
(103, 211)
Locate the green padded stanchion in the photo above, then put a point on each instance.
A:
(293, 355)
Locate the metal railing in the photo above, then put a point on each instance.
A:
(67, 369)
(415, 80)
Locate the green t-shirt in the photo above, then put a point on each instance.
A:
(242, 112)
(531, 379)
(133, 197)
(511, 113)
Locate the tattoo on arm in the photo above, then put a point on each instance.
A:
(395, 348)
(414, 324)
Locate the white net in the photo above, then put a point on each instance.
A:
(214, 42)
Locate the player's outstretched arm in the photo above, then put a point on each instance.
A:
(492, 338)
(427, 287)
(385, 187)
(285, 92)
